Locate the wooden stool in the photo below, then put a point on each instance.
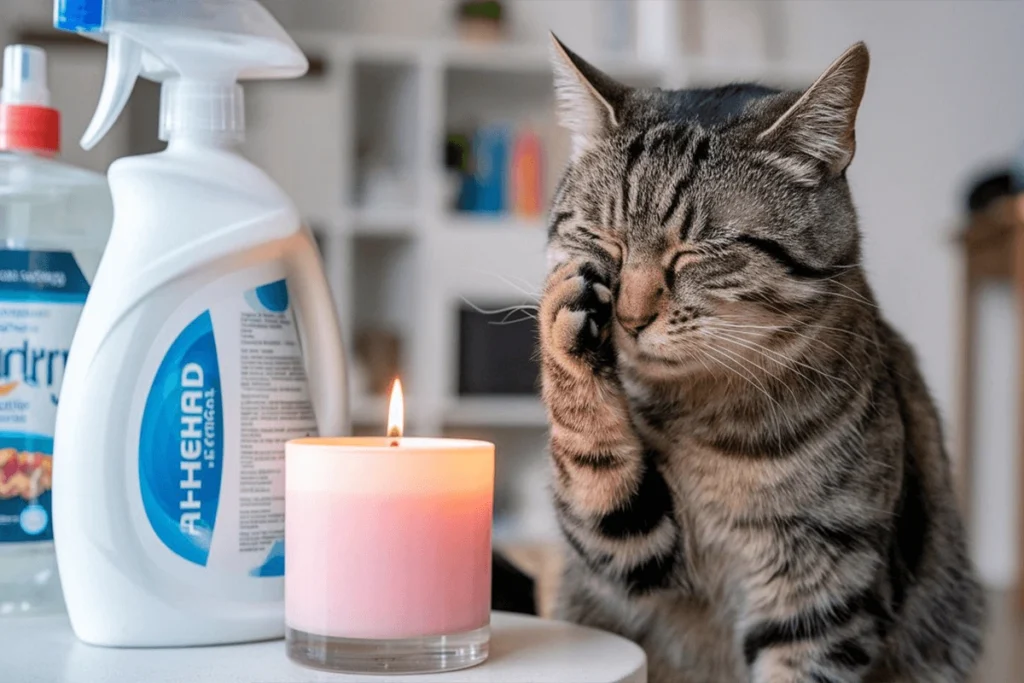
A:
(993, 245)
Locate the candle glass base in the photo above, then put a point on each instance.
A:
(426, 654)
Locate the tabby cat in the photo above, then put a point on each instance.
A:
(747, 467)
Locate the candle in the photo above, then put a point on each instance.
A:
(388, 551)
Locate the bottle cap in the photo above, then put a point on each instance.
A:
(27, 122)
(196, 109)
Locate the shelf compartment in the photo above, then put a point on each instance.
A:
(497, 411)
(469, 220)
(382, 222)
(386, 102)
(465, 412)
(383, 303)
(497, 355)
(496, 263)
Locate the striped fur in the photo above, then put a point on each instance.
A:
(747, 467)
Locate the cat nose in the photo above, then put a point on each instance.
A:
(639, 297)
(634, 326)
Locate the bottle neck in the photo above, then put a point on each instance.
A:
(181, 141)
(210, 114)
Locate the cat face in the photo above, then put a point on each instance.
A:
(712, 214)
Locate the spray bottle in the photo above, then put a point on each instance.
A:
(209, 339)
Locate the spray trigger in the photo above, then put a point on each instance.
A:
(124, 64)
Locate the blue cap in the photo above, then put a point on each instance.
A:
(80, 16)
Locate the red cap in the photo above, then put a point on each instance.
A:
(29, 128)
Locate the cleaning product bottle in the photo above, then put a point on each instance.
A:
(54, 222)
(525, 181)
(208, 340)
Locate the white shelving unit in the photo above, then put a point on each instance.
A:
(409, 263)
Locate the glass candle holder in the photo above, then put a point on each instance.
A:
(388, 553)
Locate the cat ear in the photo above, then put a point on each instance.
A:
(818, 129)
(589, 102)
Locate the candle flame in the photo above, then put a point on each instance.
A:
(396, 411)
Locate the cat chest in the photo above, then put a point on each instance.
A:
(721, 500)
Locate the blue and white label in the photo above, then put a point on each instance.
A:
(41, 297)
(181, 447)
(228, 392)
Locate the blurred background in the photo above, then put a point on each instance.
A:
(422, 149)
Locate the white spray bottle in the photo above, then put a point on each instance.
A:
(209, 338)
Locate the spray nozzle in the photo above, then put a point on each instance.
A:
(198, 49)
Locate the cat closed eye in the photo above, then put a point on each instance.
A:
(611, 256)
(681, 259)
(613, 251)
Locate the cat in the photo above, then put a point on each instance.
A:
(748, 470)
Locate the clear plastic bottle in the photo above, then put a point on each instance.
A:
(54, 224)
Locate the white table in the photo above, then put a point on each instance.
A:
(523, 650)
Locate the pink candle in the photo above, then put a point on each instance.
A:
(387, 543)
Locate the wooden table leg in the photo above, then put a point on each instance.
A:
(1018, 291)
(965, 429)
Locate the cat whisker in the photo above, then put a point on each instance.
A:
(852, 291)
(750, 341)
(700, 357)
(765, 370)
(809, 323)
(844, 271)
(849, 266)
(758, 348)
(744, 363)
(506, 321)
(730, 325)
(856, 299)
(789, 329)
(523, 287)
(818, 340)
(504, 309)
(773, 404)
(854, 294)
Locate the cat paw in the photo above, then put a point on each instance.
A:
(576, 315)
